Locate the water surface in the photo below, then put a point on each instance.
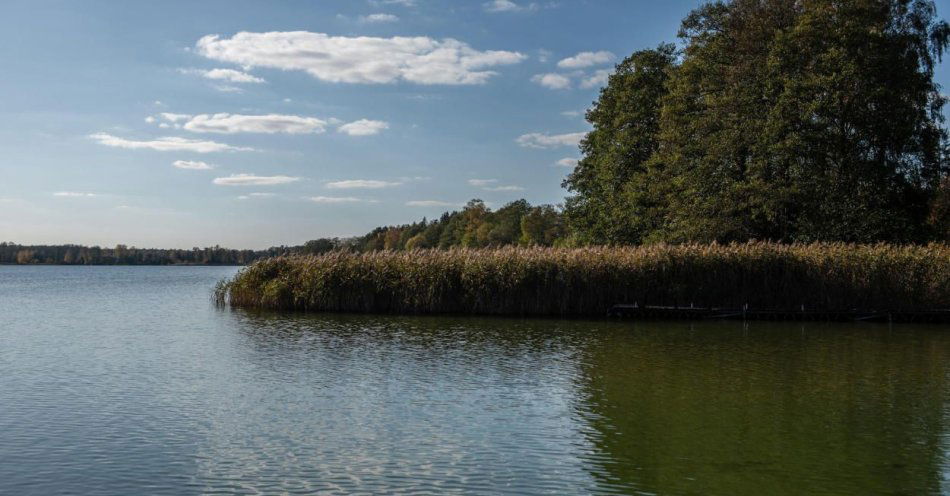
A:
(126, 380)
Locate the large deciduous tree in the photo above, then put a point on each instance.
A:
(791, 120)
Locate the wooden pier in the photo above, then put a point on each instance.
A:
(647, 312)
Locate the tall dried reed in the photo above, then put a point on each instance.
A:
(588, 281)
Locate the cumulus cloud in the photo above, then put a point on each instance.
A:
(169, 144)
(431, 203)
(363, 59)
(174, 118)
(250, 196)
(567, 162)
(338, 199)
(481, 183)
(552, 81)
(74, 194)
(192, 165)
(268, 124)
(232, 76)
(228, 75)
(596, 80)
(379, 18)
(252, 180)
(363, 127)
(362, 184)
(540, 140)
(507, 6)
(586, 59)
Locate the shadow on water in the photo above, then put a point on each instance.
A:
(656, 407)
(770, 408)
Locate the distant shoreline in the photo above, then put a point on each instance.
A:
(7, 264)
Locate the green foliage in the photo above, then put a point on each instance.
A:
(614, 192)
(588, 281)
(475, 226)
(780, 120)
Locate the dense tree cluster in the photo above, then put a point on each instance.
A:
(475, 226)
(786, 120)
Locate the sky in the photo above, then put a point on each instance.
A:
(251, 124)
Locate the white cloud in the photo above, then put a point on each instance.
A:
(150, 120)
(504, 188)
(539, 140)
(192, 165)
(481, 183)
(379, 18)
(74, 194)
(224, 88)
(572, 113)
(226, 75)
(552, 81)
(596, 80)
(567, 162)
(507, 6)
(169, 144)
(404, 3)
(363, 59)
(250, 196)
(269, 124)
(363, 127)
(252, 180)
(362, 184)
(338, 199)
(174, 118)
(232, 76)
(586, 59)
(431, 203)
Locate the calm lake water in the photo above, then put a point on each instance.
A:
(126, 380)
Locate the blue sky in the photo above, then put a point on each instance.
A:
(251, 124)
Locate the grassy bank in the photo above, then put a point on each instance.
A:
(587, 281)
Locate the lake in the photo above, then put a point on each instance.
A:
(127, 380)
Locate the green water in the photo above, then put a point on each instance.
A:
(125, 380)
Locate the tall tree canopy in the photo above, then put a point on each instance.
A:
(791, 120)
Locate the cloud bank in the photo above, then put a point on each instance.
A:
(363, 59)
(267, 124)
(169, 144)
(363, 127)
(586, 59)
(192, 165)
(252, 180)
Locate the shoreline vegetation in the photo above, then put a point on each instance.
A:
(575, 282)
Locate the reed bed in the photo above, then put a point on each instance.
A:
(588, 281)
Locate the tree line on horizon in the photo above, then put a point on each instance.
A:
(772, 120)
